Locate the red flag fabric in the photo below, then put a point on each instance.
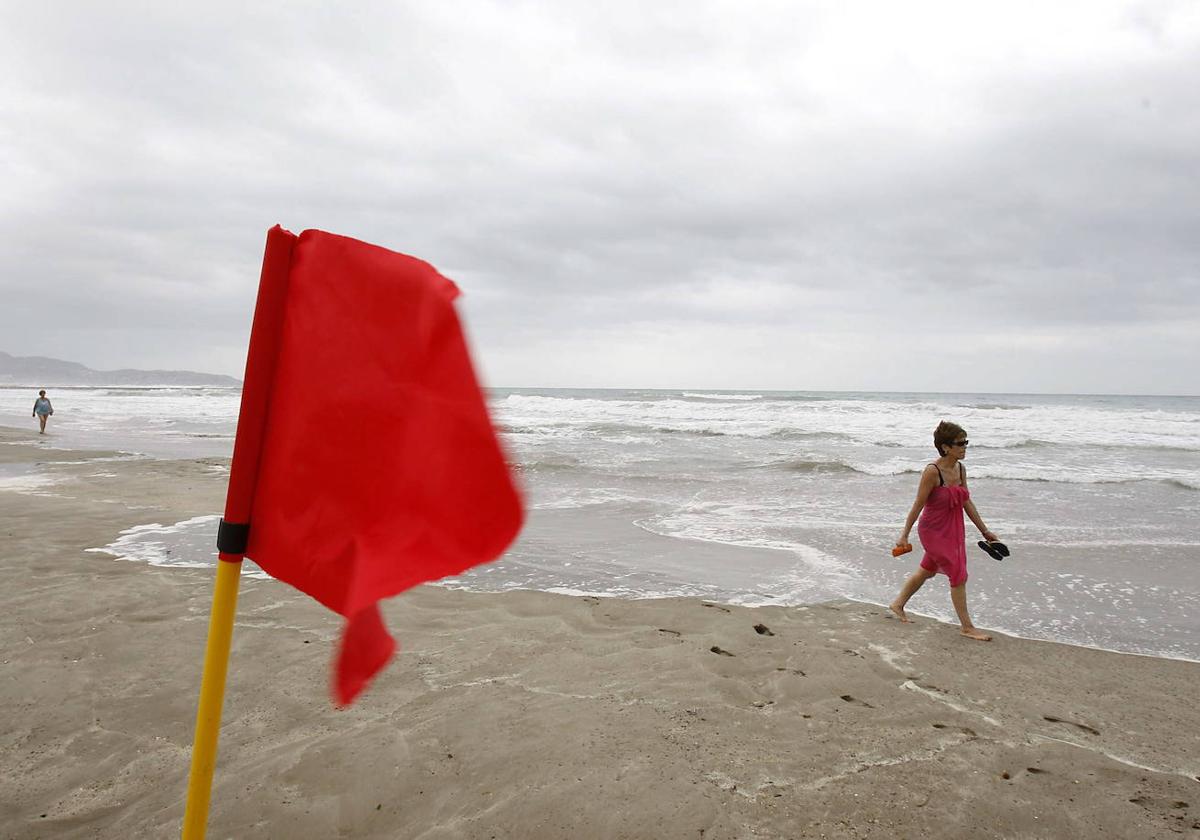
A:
(379, 468)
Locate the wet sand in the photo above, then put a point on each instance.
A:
(530, 715)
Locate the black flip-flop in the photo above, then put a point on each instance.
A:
(996, 550)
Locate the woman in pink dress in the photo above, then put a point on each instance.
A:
(942, 498)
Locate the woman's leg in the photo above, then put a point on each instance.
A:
(915, 581)
(958, 597)
(42, 420)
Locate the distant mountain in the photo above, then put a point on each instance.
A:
(39, 371)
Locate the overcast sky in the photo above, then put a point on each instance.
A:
(891, 196)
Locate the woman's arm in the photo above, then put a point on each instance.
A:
(973, 514)
(928, 478)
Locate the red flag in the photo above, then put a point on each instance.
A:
(379, 468)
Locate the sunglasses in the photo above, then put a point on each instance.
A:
(961, 443)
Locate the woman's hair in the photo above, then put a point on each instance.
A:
(945, 433)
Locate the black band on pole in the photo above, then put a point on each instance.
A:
(233, 537)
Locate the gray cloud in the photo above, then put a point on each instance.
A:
(810, 196)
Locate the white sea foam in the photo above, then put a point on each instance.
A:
(586, 497)
(33, 484)
(877, 422)
(190, 543)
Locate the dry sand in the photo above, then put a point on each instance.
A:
(528, 715)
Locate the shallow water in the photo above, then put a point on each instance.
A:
(790, 498)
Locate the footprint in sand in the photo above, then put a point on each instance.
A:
(796, 671)
(716, 607)
(966, 730)
(670, 632)
(1167, 809)
(720, 651)
(1089, 729)
(850, 699)
(763, 630)
(148, 618)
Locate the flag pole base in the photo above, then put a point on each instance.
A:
(212, 696)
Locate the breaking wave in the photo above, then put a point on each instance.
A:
(723, 397)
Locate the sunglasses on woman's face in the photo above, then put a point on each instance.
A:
(961, 443)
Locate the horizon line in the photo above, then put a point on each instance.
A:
(644, 388)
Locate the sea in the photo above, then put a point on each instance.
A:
(786, 498)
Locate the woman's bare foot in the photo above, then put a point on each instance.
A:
(899, 613)
(975, 633)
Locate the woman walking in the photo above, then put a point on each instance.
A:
(42, 409)
(942, 498)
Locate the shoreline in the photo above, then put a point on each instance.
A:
(113, 551)
(650, 599)
(15, 435)
(534, 715)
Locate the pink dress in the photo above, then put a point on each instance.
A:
(942, 534)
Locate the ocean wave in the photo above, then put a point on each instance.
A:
(509, 429)
(1149, 447)
(995, 407)
(885, 469)
(1025, 443)
(811, 466)
(636, 433)
(1039, 443)
(617, 428)
(723, 397)
(603, 429)
(149, 390)
(696, 432)
(799, 434)
(587, 498)
(549, 463)
(1183, 482)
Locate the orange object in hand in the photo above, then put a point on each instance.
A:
(901, 549)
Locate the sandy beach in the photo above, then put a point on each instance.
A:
(530, 715)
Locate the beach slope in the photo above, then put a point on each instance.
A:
(529, 715)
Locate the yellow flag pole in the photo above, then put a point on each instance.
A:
(233, 536)
(212, 696)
